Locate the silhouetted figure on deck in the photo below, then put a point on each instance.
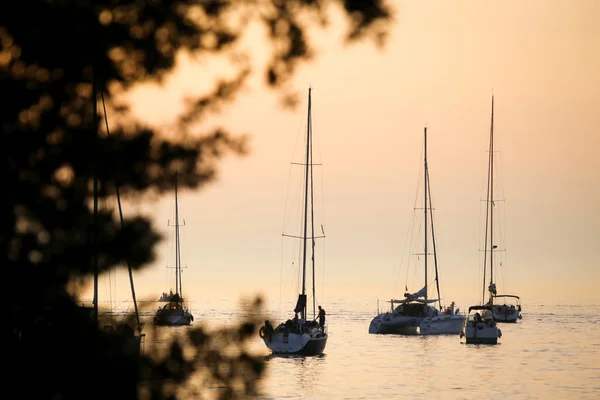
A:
(321, 317)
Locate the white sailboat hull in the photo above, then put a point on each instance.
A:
(391, 323)
(442, 324)
(296, 343)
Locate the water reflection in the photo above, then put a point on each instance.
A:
(299, 375)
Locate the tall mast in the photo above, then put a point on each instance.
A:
(137, 314)
(425, 201)
(96, 195)
(312, 223)
(437, 281)
(489, 212)
(95, 169)
(492, 200)
(177, 257)
(308, 145)
(95, 178)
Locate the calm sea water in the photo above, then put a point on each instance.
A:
(552, 353)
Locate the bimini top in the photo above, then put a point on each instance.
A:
(480, 308)
(507, 295)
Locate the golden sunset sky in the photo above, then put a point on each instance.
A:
(442, 63)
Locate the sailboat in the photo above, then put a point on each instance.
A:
(505, 307)
(414, 315)
(174, 313)
(134, 340)
(298, 335)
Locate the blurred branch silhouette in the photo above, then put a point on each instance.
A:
(55, 56)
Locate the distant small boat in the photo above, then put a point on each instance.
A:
(298, 335)
(480, 327)
(414, 315)
(174, 313)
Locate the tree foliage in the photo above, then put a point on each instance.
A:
(56, 58)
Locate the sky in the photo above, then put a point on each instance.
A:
(442, 63)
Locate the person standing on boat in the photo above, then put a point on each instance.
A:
(321, 317)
